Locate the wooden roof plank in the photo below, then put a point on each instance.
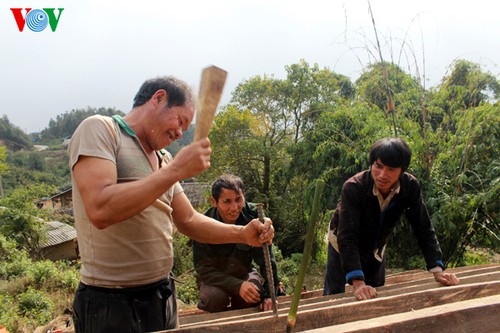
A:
(321, 315)
(344, 298)
(476, 315)
(481, 275)
(410, 278)
(417, 274)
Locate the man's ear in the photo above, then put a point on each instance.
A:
(159, 96)
(213, 201)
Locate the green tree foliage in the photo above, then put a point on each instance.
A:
(314, 124)
(337, 147)
(308, 91)
(18, 217)
(3, 159)
(12, 136)
(466, 183)
(274, 115)
(33, 167)
(466, 86)
(404, 102)
(380, 80)
(64, 125)
(262, 98)
(237, 149)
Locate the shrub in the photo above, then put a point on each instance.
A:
(183, 253)
(8, 313)
(187, 291)
(42, 271)
(16, 267)
(67, 278)
(7, 248)
(35, 306)
(477, 257)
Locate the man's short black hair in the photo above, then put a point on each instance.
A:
(393, 152)
(229, 182)
(179, 93)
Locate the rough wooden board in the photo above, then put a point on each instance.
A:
(393, 304)
(410, 278)
(467, 276)
(321, 315)
(421, 278)
(310, 306)
(203, 316)
(492, 274)
(409, 287)
(417, 274)
(476, 315)
(413, 276)
(459, 271)
(207, 317)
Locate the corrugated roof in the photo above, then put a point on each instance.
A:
(60, 193)
(58, 232)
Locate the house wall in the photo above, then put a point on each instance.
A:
(197, 193)
(66, 250)
(61, 201)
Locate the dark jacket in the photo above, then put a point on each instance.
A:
(227, 265)
(361, 227)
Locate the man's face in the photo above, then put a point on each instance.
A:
(170, 124)
(385, 176)
(229, 205)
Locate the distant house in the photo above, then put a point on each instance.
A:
(66, 142)
(197, 193)
(60, 241)
(61, 200)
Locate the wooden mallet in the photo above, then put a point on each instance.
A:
(212, 83)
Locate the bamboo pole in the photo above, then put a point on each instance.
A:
(292, 313)
(269, 267)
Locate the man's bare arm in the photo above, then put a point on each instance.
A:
(108, 202)
(207, 230)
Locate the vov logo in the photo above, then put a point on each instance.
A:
(37, 19)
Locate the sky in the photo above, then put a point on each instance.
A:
(102, 50)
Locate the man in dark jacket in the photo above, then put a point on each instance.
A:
(224, 272)
(371, 205)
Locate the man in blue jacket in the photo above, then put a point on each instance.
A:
(371, 205)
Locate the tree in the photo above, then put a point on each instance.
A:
(466, 183)
(383, 80)
(236, 147)
(64, 125)
(20, 219)
(308, 91)
(466, 86)
(337, 147)
(34, 167)
(263, 99)
(12, 136)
